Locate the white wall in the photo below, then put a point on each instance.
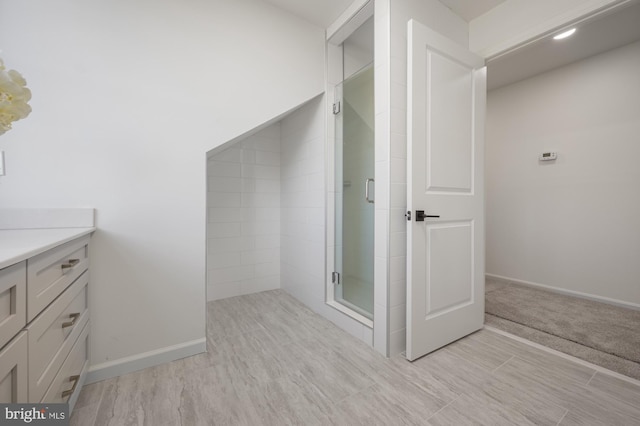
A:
(127, 99)
(243, 230)
(517, 21)
(571, 224)
(391, 161)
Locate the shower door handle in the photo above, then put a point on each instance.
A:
(366, 190)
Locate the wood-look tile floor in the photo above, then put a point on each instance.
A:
(272, 361)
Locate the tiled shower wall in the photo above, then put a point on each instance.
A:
(243, 230)
(303, 203)
(382, 145)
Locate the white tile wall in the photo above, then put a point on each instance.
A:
(382, 83)
(398, 178)
(243, 230)
(303, 201)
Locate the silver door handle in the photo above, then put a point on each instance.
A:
(366, 190)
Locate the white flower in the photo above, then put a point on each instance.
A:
(14, 98)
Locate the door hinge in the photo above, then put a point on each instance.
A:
(336, 108)
(335, 277)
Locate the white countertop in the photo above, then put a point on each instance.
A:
(17, 245)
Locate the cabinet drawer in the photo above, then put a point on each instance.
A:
(13, 370)
(13, 301)
(53, 333)
(67, 383)
(49, 273)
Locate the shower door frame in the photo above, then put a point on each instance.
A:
(335, 38)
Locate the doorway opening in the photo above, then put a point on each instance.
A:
(557, 273)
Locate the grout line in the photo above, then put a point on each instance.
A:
(562, 418)
(563, 355)
(358, 392)
(450, 402)
(500, 366)
(592, 376)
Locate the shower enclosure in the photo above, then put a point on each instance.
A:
(355, 192)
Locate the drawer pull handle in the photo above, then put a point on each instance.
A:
(70, 264)
(75, 380)
(73, 317)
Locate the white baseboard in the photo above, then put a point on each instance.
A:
(594, 297)
(118, 367)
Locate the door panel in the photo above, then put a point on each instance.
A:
(445, 252)
(449, 267)
(448, 119)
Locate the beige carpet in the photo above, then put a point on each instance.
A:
(602, 334)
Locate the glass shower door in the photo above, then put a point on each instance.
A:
(355, 193)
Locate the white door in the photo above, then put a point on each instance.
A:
(445, 254)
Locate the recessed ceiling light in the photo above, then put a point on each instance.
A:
(565, 34)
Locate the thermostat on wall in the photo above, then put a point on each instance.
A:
(548, 156)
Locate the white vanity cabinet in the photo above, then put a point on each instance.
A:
(13, 306)
(44, 319)
(13, 370)
(13, 341)
(50, 273)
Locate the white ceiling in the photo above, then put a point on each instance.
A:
(320, 12)
(593, 36)
(324, 12)
(471, 9)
